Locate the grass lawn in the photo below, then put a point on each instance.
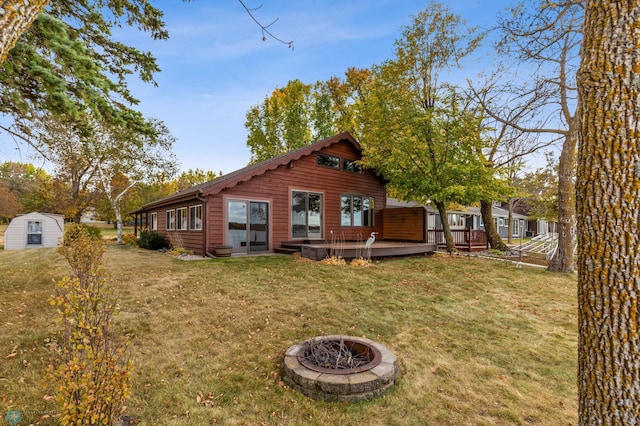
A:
(480, 342)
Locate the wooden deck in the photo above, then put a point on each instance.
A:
(352, 250)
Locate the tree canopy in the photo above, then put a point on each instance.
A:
(67, 67)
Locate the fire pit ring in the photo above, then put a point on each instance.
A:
(377, 373)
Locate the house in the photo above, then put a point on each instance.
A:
(34, 230)
(316, 193)
(464, 223)
(501, 221)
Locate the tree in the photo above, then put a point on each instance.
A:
(193, 177)
(9, 204)
(420, 134)
(547, 41)
(541, 187)
(290, 118)
(15, 18)
(118, 168)
(67, 68)
(26, 182)
(608, 208)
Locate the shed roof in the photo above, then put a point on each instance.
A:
(242, 175)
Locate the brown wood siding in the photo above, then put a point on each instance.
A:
(188, 239)
(303, 174)
(405, 224)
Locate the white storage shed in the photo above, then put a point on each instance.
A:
(34, 230)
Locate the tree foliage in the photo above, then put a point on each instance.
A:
(422, 135)
(282, 123)
(66, 68)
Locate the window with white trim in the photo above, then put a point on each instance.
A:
(182, 221)
(195, 217)
(34, 232)
(456, 220)
(171, 220)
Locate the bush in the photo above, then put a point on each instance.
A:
(130, 239)
(151, 240)
(73, 231)
(90, 370)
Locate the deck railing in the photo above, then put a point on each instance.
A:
(463, 239)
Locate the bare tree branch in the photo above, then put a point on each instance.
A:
(265, 28)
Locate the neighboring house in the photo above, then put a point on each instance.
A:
(501, 220)
(467, 218)
(34, 230)
(315, 193)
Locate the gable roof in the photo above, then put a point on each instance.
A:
(242, 175)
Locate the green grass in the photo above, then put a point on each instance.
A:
(480, 342)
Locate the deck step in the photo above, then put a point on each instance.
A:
(287, 250)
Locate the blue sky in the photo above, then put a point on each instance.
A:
(215, 65)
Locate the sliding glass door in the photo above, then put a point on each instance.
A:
(306, 215)
(248, 225)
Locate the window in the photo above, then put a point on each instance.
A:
(34, 232)
(195, 217)
(457, 220)
(153, 221)
(351, 166)
(171, 219)
(356, 211)
(181, 219)
(518, 226)
(501, 221)
(328, 161)
(306, 214)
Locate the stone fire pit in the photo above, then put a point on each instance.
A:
(340, 368)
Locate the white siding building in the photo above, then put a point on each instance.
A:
(34, 230)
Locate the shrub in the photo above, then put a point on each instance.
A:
(130, 239)
(151, 240)
(90, 369)
(73, 230)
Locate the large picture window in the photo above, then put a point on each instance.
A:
(181, 219)
(356, 210)
(171, 220)
(306, 214)
(195, 217)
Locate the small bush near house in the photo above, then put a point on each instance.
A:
(151, 240)
(130, 239)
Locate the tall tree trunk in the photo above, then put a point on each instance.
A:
(15, 18)
(562, 260)
(446, 229)
(495, 242)
(608, 208)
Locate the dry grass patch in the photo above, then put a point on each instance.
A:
(480, 342)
